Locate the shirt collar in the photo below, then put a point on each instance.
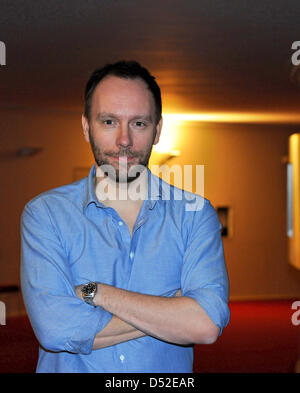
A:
(90, 195)
(155, 189)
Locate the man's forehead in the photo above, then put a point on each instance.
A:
(114, 92)
(115, 82)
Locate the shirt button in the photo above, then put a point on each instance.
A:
(131, 255)
(120, 223)
(122, 357)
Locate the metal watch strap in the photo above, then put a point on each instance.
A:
(89, 300)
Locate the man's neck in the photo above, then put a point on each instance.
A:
(121, 195)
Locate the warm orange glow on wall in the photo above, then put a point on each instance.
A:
(169, 143)
(234, 117)
(294, 233)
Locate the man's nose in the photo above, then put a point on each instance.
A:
(124, 138)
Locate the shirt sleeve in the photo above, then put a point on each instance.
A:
(61, 321)
(204, 275)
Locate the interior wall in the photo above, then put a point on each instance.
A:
(22, 178)
(243, 170)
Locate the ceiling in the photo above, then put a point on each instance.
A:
(207, 55)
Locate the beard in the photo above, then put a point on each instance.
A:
(121, 172)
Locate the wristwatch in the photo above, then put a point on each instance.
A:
(89, 291)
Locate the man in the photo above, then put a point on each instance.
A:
(114, 283)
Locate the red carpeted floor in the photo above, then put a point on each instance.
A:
(260, 338)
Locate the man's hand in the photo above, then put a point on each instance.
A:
(78, 291)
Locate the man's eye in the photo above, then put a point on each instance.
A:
(140, 124)
(108, 122)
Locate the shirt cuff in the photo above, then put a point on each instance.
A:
(83, 339)
(216, 308)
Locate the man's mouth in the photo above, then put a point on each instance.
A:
(122, 158)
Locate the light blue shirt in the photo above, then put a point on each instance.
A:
(70, 238)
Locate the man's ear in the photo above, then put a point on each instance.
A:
(86, 128)
(158, 131)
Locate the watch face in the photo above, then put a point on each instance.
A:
(89, 288)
